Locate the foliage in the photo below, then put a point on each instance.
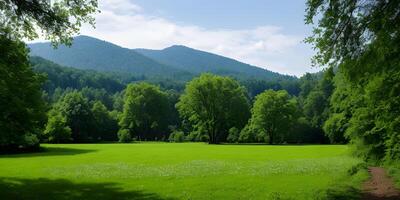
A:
(124, 136)
(105, 125)
(176, 136)
(22, 115)
(214, 104)
(335, 127)
(233, 135)
(57, 21)
(145, 111)
(66, 77)
(361, 39)
(21, 105)
(57, 130)
(273, 114)
(79, 117)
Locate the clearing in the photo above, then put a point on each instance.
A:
(173, 171)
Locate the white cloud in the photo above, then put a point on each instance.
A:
(126, 24)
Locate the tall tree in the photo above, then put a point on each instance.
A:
(105, 126)
(19, 86)
(361, 38)
(76, 109)
(57, 130)
(273, 113)
(145, 113)
(214, 104)
(21, 105)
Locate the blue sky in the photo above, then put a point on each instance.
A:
(231, 14)
(264, 33)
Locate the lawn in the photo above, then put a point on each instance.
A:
(173, 171)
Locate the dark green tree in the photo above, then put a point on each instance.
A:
(316, 103)
(56, 20)
(21, 106)
(57, 130)
(273, 114)
(214, 104)
(105, 126)
(21, 103)
(145, 112)
(361, 39)
(76, 109)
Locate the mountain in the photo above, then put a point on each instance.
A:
(90, 53)
(178, 62)
(197, 61)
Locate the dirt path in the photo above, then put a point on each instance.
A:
(380, 186)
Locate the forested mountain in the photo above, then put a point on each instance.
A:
(178, 62)
(67, 77)
(91, 53)
(196, 61)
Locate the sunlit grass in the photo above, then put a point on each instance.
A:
(180, 171)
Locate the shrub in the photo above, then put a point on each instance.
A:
(233, 135)
(30, 142)
(56, 129)
(124, 136)
(177, 136)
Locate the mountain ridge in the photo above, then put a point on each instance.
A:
(176, 61)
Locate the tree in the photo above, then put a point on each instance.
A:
(361, 39)
(335, 127)
(273, 113)
(233, 135)
(145, 113)
(76, 110)
(214, 104)
(105, 126)
(21, 106)
(316, 103)
(124, 136)
(57, 130)
(21, 102)
(57, 20)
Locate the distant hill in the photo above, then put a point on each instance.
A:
(197, 61)
(178, 62)
(90, 53)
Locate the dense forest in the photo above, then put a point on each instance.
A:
(111, 102)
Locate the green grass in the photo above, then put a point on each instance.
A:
(174, 171)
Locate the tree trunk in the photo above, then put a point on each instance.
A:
(271, 138)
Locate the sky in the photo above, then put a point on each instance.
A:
(264, 33)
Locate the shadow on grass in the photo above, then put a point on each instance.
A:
(49, 151)
(62, 189)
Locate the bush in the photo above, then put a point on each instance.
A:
(124, 136)
(177, 136)
(233, 135)
(31, 142)
(56, 129)
(247, 134)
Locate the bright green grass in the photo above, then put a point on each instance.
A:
(173, 171)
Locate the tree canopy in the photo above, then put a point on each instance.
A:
(361, 39)
(21, 106)
(57, 21)
(145, 112)
(213, 104)
(273, 114)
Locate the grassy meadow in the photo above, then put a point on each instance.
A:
(174, 171)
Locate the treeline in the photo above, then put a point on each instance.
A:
(89, 106)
